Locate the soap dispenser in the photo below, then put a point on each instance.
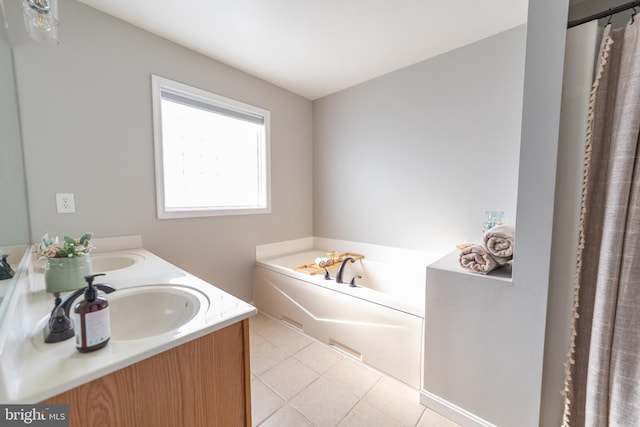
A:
(91, 319)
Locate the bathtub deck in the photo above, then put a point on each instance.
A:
(314, 268)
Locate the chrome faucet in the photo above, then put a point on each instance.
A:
(341, 268)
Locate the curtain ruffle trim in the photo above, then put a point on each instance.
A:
(566, 392)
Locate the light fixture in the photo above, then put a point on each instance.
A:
(41, 20)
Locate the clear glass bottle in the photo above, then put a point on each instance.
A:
(492, 218)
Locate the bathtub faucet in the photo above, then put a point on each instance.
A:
(341, 268)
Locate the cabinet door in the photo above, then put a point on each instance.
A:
(204, 382)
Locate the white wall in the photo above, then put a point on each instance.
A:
(546, 32)
(414, 158)
(87, 129)
(480, 358)
(14, 221)
(578, 76)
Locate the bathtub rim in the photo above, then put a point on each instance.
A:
(361, 292)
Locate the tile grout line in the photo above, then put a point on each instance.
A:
(286, 403)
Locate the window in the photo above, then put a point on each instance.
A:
(211, 152)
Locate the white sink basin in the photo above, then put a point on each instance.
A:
(147, 311)
(136, 313)
(101, 263)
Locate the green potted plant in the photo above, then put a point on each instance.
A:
(68, 262)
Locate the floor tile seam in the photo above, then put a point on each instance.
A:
(275, 366)
(398, 420)
(308, 386)
(394, 380)
(290, 406)
(303, 415)
(272, 342)
(271, 414)
(284, 401)
(271, 389)
(384, 376)
(361, 401)
(287, 400)
(274, 391)
(287, 358)
(311, 367)
(288, 352)
(424, 413)
(343, 388)
(381, 376)
(251, 369)
(424, 410)
(353, 409)
(347, 414)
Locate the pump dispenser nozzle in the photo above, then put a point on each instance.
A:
(90, 294)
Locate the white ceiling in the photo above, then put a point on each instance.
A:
(317, 47)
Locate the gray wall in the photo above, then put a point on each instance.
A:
(415, 157)
(87, 129)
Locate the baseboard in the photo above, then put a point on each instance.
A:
(451, 411)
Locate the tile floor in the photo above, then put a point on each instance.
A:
(297, 381)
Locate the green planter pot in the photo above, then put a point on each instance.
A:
(66, 274)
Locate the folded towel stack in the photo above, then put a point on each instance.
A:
(496, 250)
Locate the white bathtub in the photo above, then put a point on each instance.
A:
(379, 322)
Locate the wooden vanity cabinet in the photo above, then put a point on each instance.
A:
(204, 382)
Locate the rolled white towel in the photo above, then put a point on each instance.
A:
(476, 259)
(499, 242)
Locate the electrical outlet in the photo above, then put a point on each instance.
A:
(65, 203)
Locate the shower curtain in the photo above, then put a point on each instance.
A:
(602, 386)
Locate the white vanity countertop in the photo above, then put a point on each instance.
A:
(46, 370)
